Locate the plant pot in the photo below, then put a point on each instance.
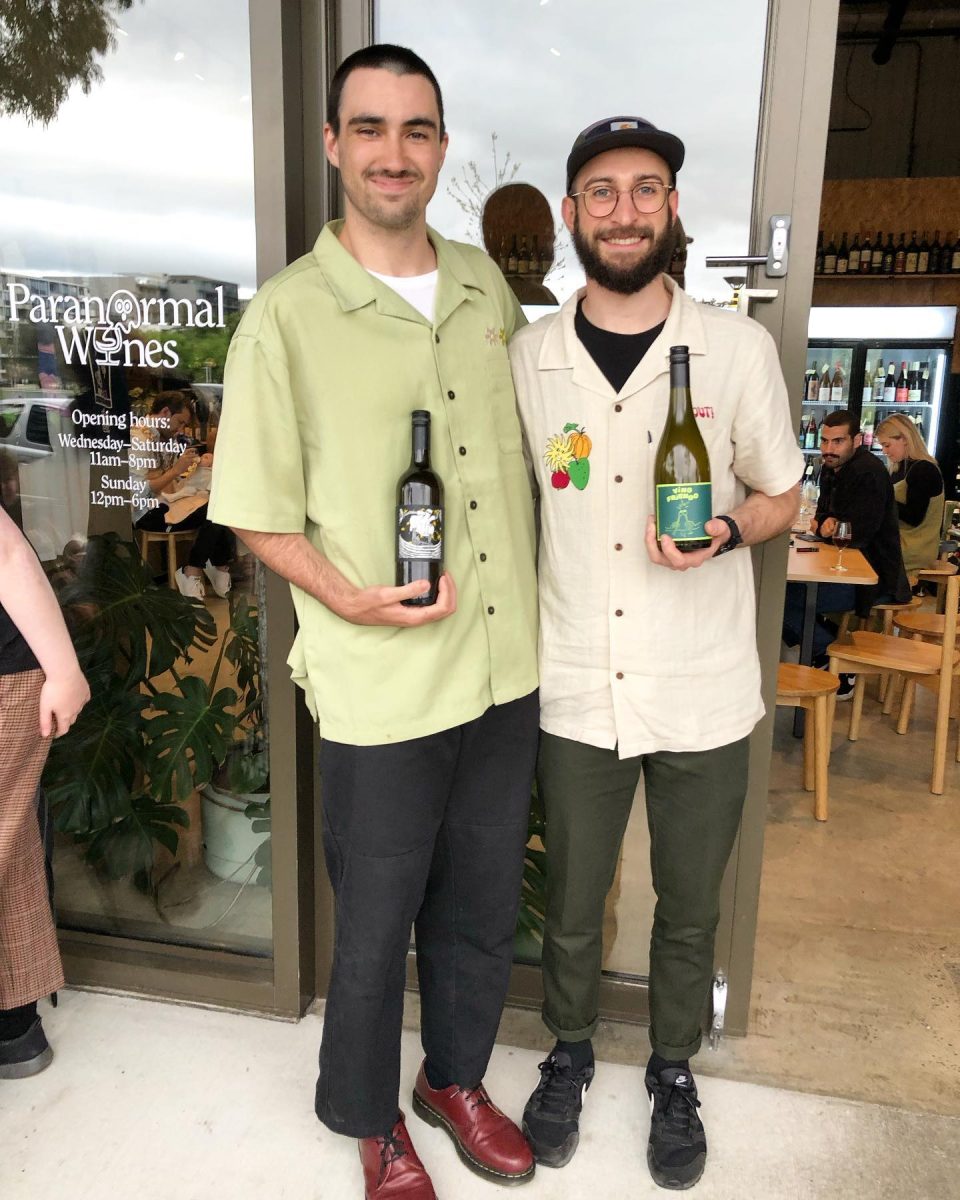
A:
(229, 842)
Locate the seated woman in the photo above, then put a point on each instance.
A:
(159, 467)
(918, 488)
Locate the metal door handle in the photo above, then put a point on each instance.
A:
(777, 258)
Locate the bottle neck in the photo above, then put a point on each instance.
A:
(421, 445)
(679, 389)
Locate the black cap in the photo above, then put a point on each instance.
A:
(614, 132)
(679, 353)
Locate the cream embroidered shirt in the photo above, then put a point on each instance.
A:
(634, 655)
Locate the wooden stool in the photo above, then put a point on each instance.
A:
(938, 573)
(808, 688)
(148, 537)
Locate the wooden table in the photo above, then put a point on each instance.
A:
(814, 568)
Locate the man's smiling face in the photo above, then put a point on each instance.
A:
(628, 249)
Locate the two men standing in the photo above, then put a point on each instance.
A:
(429, 715)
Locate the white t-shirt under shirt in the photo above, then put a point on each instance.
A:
(419, 291)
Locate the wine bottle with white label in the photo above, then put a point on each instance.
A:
(681, 469)
(420, 517)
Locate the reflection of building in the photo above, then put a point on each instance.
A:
(19, 340)
(168, 287)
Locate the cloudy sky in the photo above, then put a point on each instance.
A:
(153, 170)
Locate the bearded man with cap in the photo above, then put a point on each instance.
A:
(648, 659)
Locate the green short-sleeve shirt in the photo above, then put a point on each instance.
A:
(323, 373)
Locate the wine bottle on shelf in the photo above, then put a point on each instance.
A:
(836, 388)
(914, 380)
(876, 263)
(810, 442)
(889, 256)
(512, 257)
(919, 420)
(830, 258)
(878, 378)
(913, 255)
(523, 258)
(812, 394)
(420, 517)
(867, 423)
(802, 438)
(503, 255)
(818, 259)
(866, 255)
(923, 258)
(936, 250)
(825, 384)
(890, 386)
(843, 256)
(925, 384)
(681, 470)
(900, 256)
(902, 391)
(955, 256)
(535, 255)
(853, 262)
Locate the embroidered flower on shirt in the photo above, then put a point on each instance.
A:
(496, 337)
(567, 456)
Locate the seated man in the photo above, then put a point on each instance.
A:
(855, 487)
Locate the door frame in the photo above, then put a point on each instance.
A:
(791, 148)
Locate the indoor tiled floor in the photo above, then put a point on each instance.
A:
(153, 1101)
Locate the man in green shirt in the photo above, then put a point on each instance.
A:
(428, 714)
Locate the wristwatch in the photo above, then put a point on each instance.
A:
(735, 538)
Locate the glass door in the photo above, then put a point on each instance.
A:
(747, 87)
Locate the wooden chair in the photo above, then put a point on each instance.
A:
(810, 689)
(919, 662)
(938, 573)
(884, 614)
(148, 537)
(925, 627)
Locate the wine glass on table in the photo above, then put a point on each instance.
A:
(842, 537)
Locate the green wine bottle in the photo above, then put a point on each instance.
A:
(681, 470)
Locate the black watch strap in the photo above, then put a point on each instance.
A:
(735, 539)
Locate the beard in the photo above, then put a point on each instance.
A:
(626, 280)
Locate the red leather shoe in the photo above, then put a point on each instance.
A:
(391, 1168)
(487, 1141)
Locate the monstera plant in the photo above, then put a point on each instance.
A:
(155, 728)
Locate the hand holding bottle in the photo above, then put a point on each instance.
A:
(386, 605)
(666, 554)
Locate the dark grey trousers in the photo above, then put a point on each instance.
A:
(428, 833)
(694, 803)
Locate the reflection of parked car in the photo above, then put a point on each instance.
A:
(52, 481)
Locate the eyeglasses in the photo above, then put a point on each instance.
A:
(601, 199)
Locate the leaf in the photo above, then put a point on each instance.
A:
(91, 769)
(189, 737)
(115, 605)
(579, 472)
(127, 846)
(570, 427)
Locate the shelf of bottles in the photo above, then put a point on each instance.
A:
(890, 389)
(523, 256)
(868, 256)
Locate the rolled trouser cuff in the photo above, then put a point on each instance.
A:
(676, 1053)
(570, 1035)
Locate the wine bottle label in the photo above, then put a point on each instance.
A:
(419, 533)
(683, 509)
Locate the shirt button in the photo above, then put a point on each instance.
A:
(483, 557)
(491, 610)
(618, 408)
(473, 504)
(619, 674)
(450, 395)
(618, 546)
(463, 449)
(436, 337)
(618, 613)
(618, 479)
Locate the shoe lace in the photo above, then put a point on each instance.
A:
(679, 1111)
(392, 1147)
(477, 1096)
(556, 1085)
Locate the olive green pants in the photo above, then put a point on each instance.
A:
(694, 803)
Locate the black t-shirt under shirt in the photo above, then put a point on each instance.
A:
(924, 483)
(616, 354)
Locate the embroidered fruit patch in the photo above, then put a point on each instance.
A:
(568, 457)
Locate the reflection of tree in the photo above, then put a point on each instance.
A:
(469, 189)
(46, 46)
(196, 348)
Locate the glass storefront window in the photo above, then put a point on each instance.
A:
(126, 256)
(519, 82)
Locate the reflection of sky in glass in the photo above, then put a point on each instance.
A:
(153, 170)
(538, 71)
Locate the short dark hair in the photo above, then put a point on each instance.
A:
(842, 416)
(174, 401)
(383, 57)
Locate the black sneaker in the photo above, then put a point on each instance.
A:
(551, 1120)
(25, 1055)
(847, 684)
(677, 1150)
